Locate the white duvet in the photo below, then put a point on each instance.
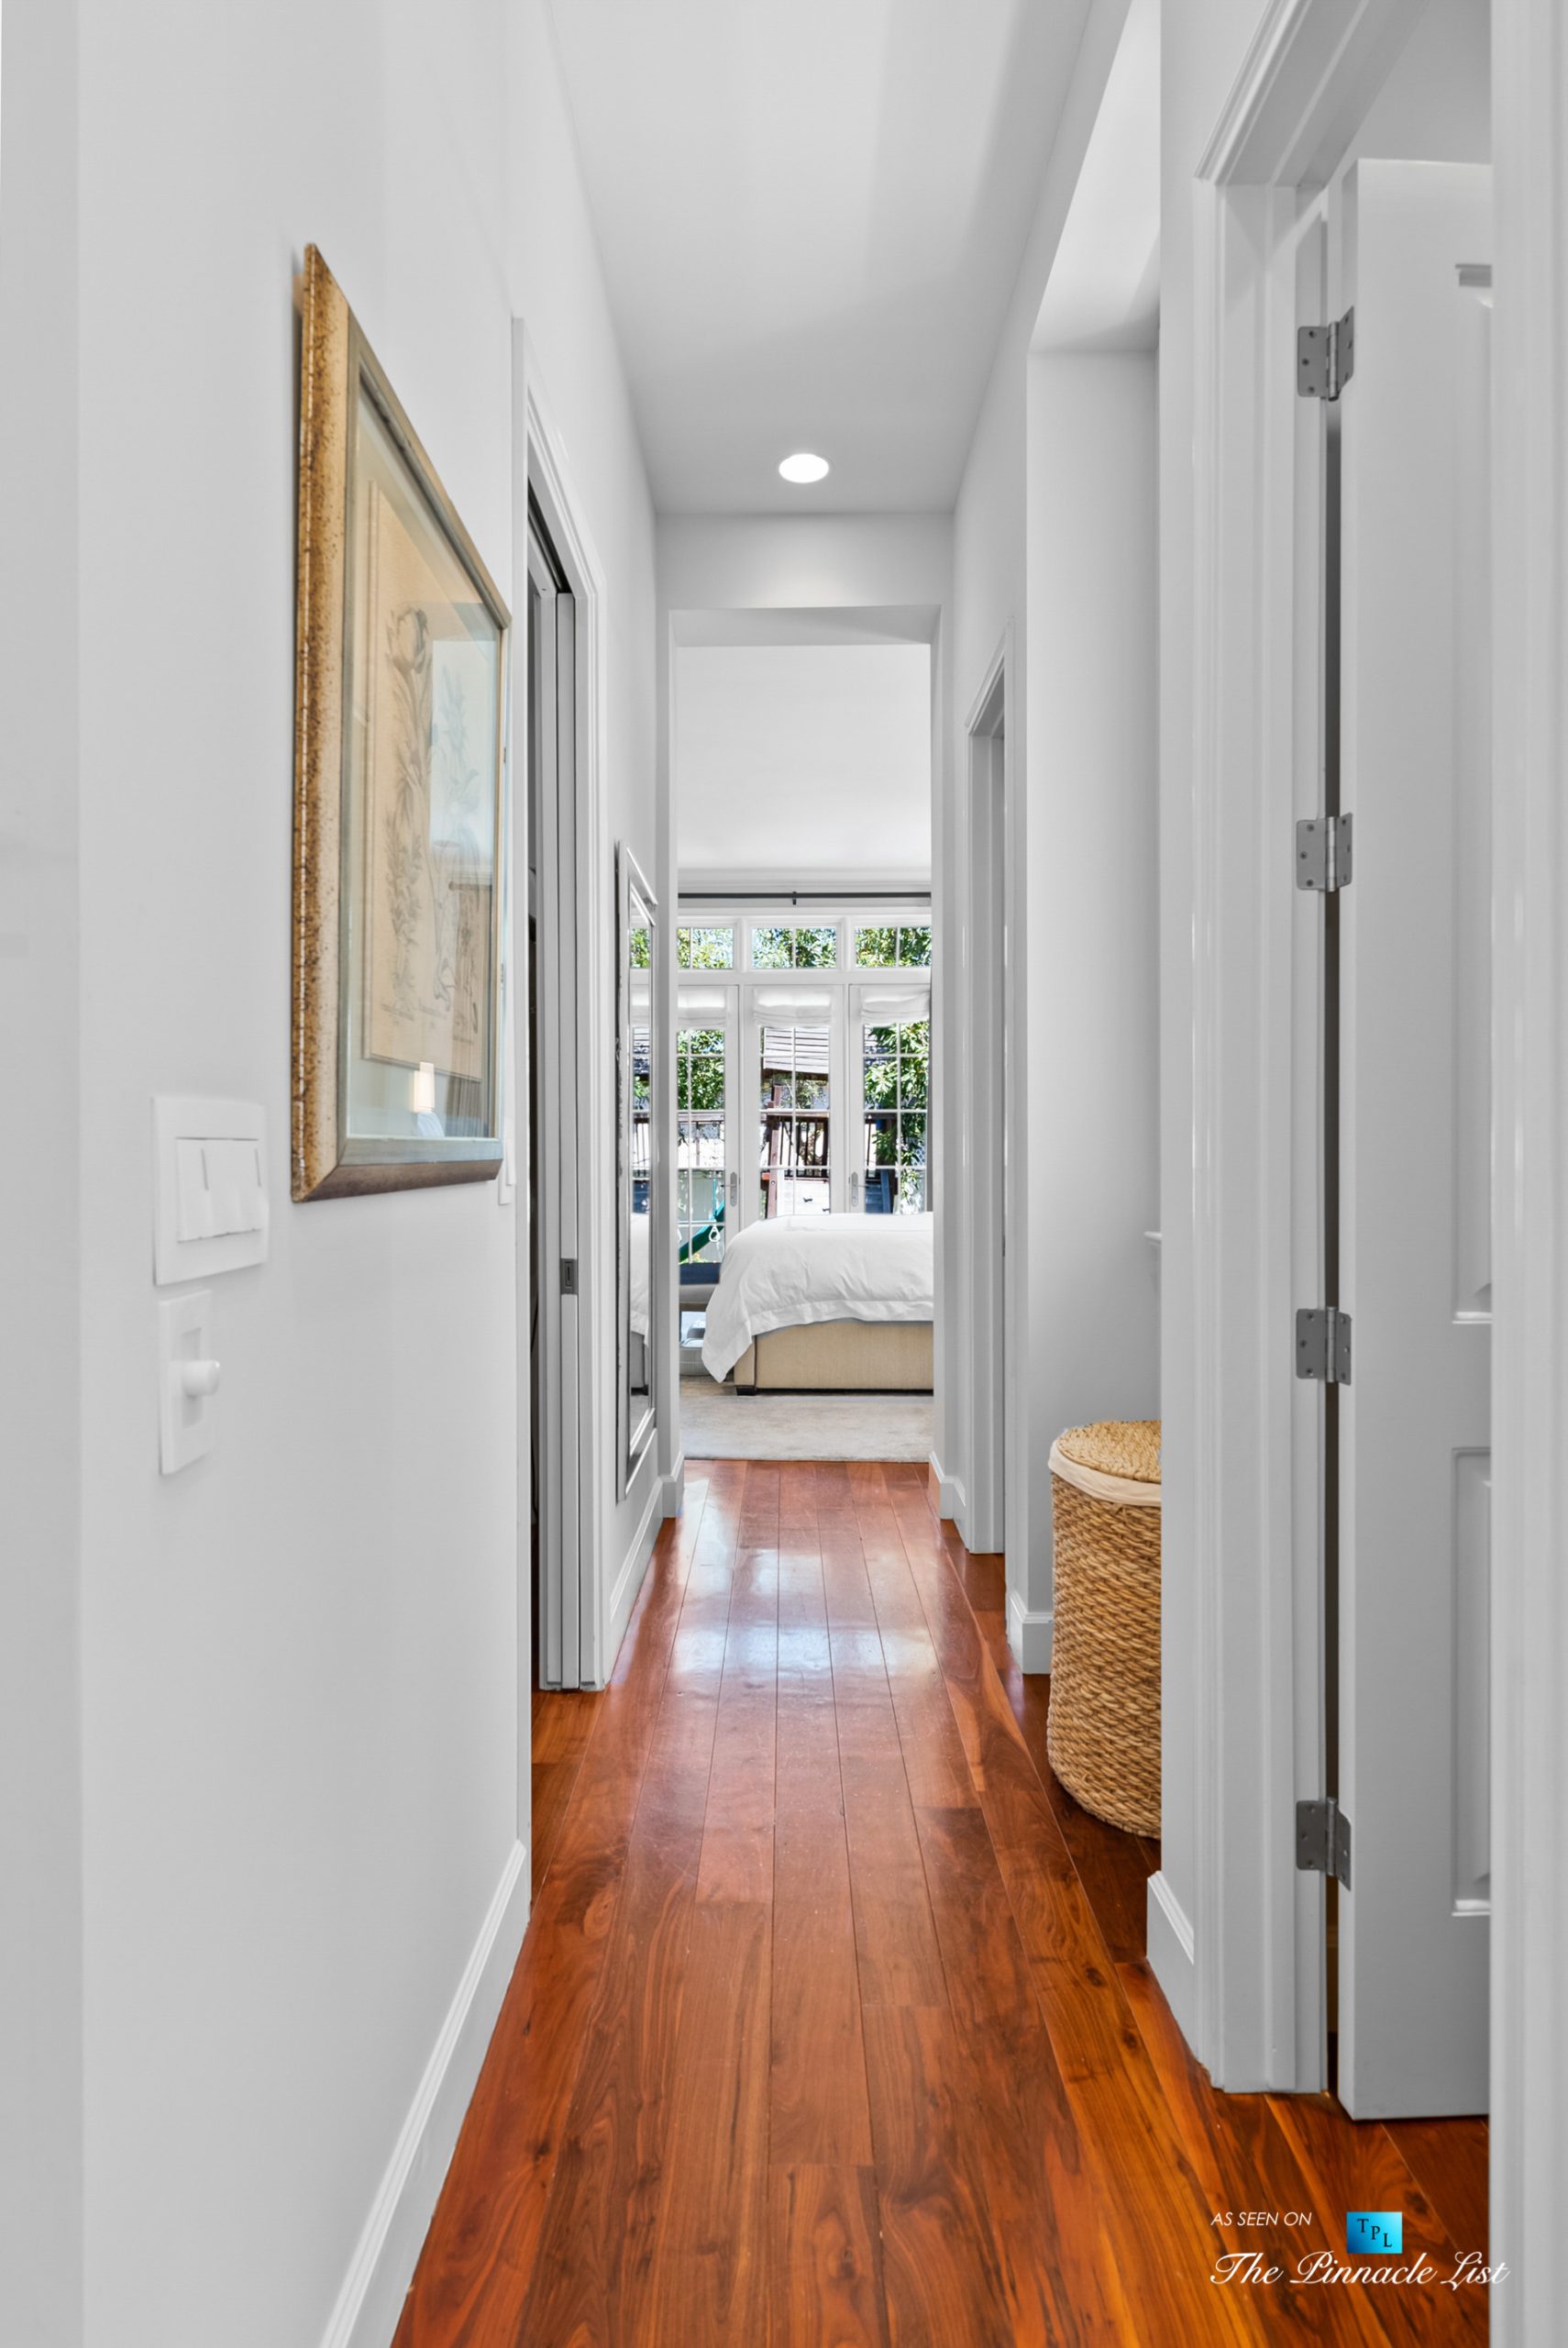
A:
(804, 1267)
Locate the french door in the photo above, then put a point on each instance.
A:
(809, 1102)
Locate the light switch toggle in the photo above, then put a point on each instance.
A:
(222, 1187)
(199, 1378)
(210, 1190)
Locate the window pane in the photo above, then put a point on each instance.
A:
(877, 949)
(795, 946)
(817, 948)
(795, 1177)
(901, 945)
(699, 1188)
(895, 1079)
(712, 949)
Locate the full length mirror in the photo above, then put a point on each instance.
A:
(638, 1160)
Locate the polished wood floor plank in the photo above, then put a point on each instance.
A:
(833, 2023)
(1055, 2262)
(940, 2267)
(988, 1977)
(820, 2116)
(470, 2286)
(1246, 2168)
(1448, 2160)
(710, 2253)
(827, 2259)
(1348, 2167)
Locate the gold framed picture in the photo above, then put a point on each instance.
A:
(400, 793)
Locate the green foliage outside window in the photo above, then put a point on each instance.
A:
(699, 1070)
(897, 1092)
(791, 947)
(902, 946)
(712, 949)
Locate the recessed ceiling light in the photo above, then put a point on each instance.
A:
(804, 467)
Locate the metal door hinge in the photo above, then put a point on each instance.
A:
(1323, 846)
(1323, 1344)
(1325, 358)
(1323, 1840)
(569, 1275)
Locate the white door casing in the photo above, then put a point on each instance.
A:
(1415, 1102)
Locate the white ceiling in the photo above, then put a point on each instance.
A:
(797, 764)
(812, 216)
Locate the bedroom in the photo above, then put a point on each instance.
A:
(805, 1183)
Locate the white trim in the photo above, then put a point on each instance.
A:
(1029, 1635)
(545, 470)
(951, 1502)
(382, 2265)
(984, 1423)
(1530, 1488)
(634, 1565)
(1250, 1638)
(1303, 86)
(673, 1488)
(1170, 1947)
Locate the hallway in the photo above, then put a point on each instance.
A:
(832, 2024)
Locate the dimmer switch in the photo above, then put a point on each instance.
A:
(188, 1375)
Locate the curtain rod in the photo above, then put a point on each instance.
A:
(804, 896)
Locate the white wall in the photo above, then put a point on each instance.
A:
(1091, 892)
(803, 762)
(1202, 45)
(560, 296)
(301, 1727)
(990, 592)
(40, 1290)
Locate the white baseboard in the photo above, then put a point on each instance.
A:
(1029, 1635)
(629, 1580)
(951, 1502)
(1171, 1958)
(675, 1487)
(381, 2269)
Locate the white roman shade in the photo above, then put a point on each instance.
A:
(693, 999)
(787, 1006)
(892, 1003)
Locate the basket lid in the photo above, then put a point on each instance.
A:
(1126, 1448)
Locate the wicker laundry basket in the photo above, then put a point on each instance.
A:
(1102, 1731)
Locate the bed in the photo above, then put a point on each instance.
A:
(818, 1301)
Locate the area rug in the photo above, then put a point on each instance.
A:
(718, 1423)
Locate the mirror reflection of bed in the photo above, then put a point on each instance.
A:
(803, 1181)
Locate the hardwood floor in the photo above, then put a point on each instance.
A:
(833, 2025)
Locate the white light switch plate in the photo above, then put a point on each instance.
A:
(187, 1422)
(209, 1187)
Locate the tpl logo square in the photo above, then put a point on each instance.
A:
(1374, 2233)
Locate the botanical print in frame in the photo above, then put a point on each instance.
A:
(400, 795)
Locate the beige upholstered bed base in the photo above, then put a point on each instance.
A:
(817, 1356)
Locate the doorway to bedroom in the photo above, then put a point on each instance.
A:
(805, 1060)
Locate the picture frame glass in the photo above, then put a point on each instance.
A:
(423, 691)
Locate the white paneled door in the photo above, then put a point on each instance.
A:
(1415, 1213)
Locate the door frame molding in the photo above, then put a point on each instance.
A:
(1530, 1362)
(543, 469)
(1251, 1985)
(979, 1502)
